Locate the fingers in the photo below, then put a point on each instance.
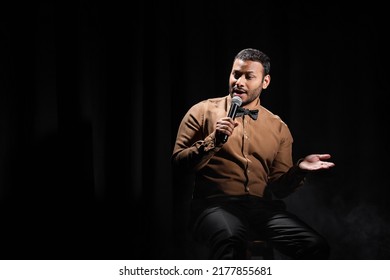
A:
(326, 164)
(226, 126)
(323, 156)
(316, 162)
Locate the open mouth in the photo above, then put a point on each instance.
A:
(238, 91)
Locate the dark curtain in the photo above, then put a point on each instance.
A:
(92, 94)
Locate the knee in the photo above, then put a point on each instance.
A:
(227, 236)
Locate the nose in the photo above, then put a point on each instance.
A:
(240, 81)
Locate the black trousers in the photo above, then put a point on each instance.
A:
(224, 225)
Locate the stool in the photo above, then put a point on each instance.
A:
(259, 249)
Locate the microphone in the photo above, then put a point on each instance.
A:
(236, 102)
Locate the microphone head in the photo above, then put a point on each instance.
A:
(237, 100)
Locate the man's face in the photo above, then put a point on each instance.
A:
(247, 80)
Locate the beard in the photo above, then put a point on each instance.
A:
(246, 96)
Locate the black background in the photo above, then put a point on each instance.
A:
(92, 93)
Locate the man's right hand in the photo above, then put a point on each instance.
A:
(224, 126)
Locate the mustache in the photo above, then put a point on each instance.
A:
(238, 90)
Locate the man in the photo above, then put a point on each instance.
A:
(243, 168)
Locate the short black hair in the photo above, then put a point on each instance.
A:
(255, 55)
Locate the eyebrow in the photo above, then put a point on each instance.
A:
(248, 71)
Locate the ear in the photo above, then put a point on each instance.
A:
(266, 81)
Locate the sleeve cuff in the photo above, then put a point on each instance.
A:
(208, 144)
